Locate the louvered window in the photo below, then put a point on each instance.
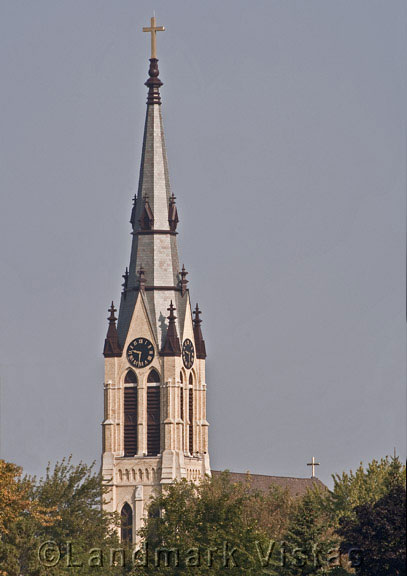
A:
(191, 419)
(130, 420)
(181, 398)
(153, 415)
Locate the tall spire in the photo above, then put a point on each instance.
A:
(154, 222)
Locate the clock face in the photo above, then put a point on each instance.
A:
(188, 353)
(140, 353)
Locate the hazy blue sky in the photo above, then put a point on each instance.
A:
(285, 127)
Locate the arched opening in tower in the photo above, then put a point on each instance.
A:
(191, 415)
(153, 413)
(130, 414)
(126, 524)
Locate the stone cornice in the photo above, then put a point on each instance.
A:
(149, 232)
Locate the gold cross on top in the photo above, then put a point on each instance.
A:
(153, 29)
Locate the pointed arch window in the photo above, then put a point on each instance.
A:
(130, 377)
(191, 415)
(153, 414)
(130, 414)
(153, 377)
(126, 521)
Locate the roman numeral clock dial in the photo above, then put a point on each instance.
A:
(188, 353)
(140, 352)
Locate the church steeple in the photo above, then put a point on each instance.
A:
(155, 429)
(154, 222)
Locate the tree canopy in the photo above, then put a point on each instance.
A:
(53, 522)
(55, 525)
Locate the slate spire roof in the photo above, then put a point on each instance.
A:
(154, 220)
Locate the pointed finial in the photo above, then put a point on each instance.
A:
(125, 277)
(172, 346)
(197, 313)
(112, 318)
(112, 348)
(172, 316)
(133, 210)
(142, 278)
(184, 280)
(172, 214)
(199, 341)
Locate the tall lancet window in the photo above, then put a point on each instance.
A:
(181, 408)
(153, 413)
(181, 397)
(191, 415)
(130, 414)
(126, 524)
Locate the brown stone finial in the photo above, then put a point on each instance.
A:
(112, 348)
(173, 214)
(153, 83)
(172, 316)
(199, 341)
(112, 318)
(197, 315)
(184, 280)
(142, 278)
(172, 346)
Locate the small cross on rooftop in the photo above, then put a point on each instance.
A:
(313, 463)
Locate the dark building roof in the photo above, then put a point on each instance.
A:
(296, 486)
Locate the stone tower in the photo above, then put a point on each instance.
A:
(154, 429)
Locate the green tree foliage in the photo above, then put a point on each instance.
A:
(363, 486)
(378, 530)
(357, 493)
(214, 526)
(75, 524)
(308, 542)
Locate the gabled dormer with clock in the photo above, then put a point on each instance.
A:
(154, 429)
